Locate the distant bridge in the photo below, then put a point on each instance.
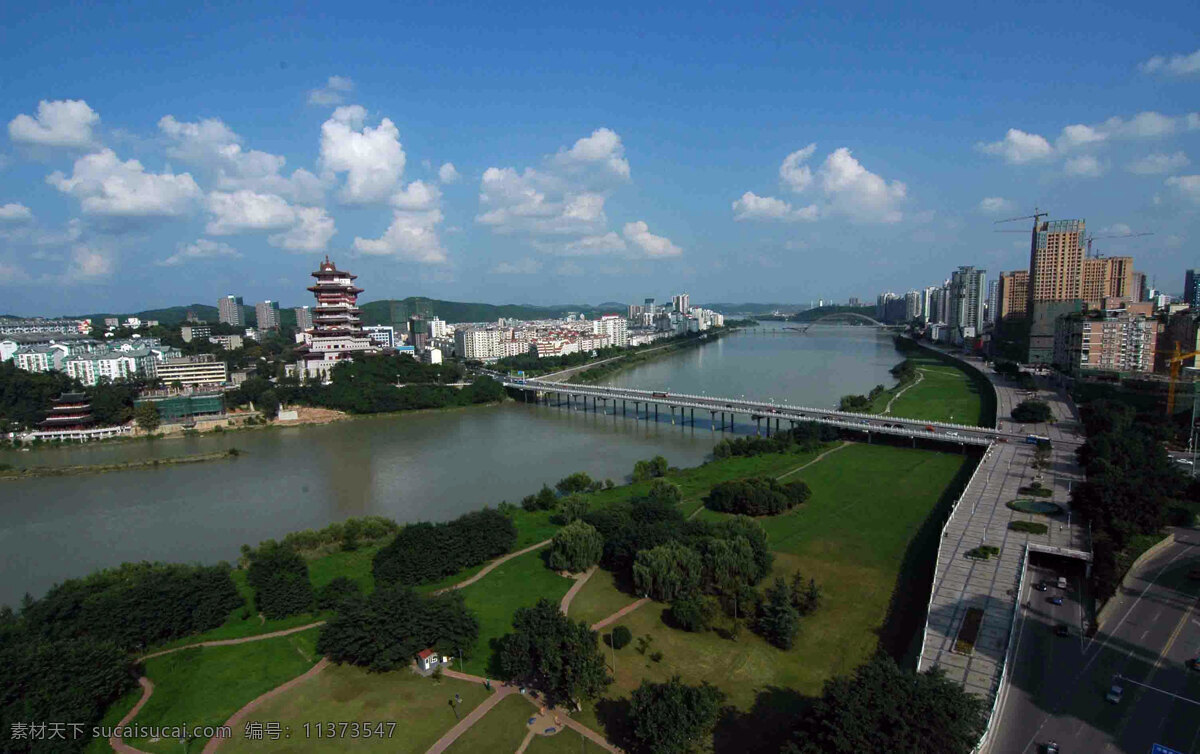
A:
(681, 408)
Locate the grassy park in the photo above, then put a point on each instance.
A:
(501, 729)
(419, 707)
(946, 393)
(206, 685)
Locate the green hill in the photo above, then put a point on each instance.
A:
(171, 315)
(392, 311)
(821, 311)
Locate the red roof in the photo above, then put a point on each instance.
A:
(425, 654)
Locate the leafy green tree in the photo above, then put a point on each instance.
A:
(620, 637)
(667, 571)
(882, 707)
(577, 482)
(552, 653)
(268, 404)
(674, 717)
(574, 507)
(662, 491)
(805, 597)
(756, 496)
(778, 618)
(146, 416)
(693, 612)
(576, 547)
(337, 592)
(1032, 412)
(385, 631)
(423, 551)
(279, 576)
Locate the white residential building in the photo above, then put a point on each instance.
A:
(477, 343)
(614, 327)
(41, 358)
(437, 328)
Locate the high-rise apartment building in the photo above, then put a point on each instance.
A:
(1138, 293)
(612, 327)
(1012, 295)
(267, 313)
(477, 343)
(1117, 342)
(993, 302)
(1191, 289)
(1056, 260)
(968, 298)
(913, 306)
(681, 303)
(1106, 277)
(303, 318)
(230, 311)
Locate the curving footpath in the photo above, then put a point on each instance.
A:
(115, 742)
(920, 376)
(215, 743)
(619, 614)
(228, 642)
(492, 566)
(570, 595)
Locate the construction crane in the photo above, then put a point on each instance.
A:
(1036, 216)
(1121, 235)
(1176, 363)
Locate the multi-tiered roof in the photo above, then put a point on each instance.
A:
(69, 411)
(336, 312)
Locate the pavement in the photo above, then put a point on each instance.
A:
(1057, 685)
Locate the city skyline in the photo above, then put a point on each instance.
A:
(879, 168)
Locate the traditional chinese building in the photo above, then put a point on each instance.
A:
(336, 333)
(69, 412)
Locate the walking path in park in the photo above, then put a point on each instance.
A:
(116, 743)
(786, 474)
(492, 566)
(215, 743)
(227, 642)
(619, 614)
(579, 582)
(920, 376)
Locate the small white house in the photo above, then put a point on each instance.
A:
(427, 660)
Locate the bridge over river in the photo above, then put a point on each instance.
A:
(973, 601)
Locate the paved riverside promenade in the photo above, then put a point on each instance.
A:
(980, 517)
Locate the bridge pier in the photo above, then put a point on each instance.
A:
(693, 416)
(656, 413)
(712, 421)
(758, 426)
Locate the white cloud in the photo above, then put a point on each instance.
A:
(568, 268)
(1116, 229)
(211, 144)
(11, 274)
(89, 263)
(607, 243)
(638, 233)
(15, 213)
(312, 231)
(794, 172)
(333, 93)
(994, 205)
(412, 236)
(1079, 135)
(602, 148)
(1153, 164)
(447, 173)
(417, 195)
(202, 248)
(106, 186)
(754, 207)
(1143, 125)
(239, 211)
(523, 266)
(372, 158)
(59, 123)
(858, 193)
(1018, 147)
(1085, 166)
(1187, 185)
(537, 203)
(1176, 65)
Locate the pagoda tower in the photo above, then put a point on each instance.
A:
(69, 411)
(337, 332)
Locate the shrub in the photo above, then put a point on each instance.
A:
(1032, 412)
(1029, 527)
(693, 612)
(757, 496)
(574, 507)
(424, 552)
(662, 491)
(620, 637)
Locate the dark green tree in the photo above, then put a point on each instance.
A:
(1032, 412)
(552, 653)
(674, 717)
(279, 576)
(146, 416)
(662, 491)
(620, 637)
(337, 592)
(667, 571)
(574, 507)
(576, 547)
(885, 708)
(778, 619)
(577, 482)
(693, 612)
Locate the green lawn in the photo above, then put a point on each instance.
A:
(868, 503)
(599, 598)
(493, 599)
(355, 565)
(206, 685)
(565, 741)
(532, 527)
(111, 717)
(419, 707)
(501, 730)
(947, 393)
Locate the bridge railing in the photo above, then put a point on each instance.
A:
(747, 406)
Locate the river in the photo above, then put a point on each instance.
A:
(421, 466)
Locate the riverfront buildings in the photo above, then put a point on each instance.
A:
(337, 332)
(267, 313)
(1012, 296)
(230, 311)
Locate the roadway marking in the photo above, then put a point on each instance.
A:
(1161, 691)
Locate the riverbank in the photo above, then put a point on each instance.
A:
(33, 472)
(608, 368)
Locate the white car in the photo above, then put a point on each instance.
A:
(952, 434)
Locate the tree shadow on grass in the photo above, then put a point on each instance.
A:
(613, 715)
(763, 729)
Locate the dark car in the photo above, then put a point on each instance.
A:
(1040, 586)
(1062, 629)
(1050, 747)
(1056, 600)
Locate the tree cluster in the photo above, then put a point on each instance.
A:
(805, 436)
(778, 613)
(26, 397)
(674, 717)
(576, 547)
(1130, 488)
(552, 653)
(655, 467)
(756, 496)
(279, 576)
(883, 707)
(905, 371)
(424, 552)
(386, 630)
(1032, 412)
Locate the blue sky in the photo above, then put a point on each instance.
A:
(157, 154)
